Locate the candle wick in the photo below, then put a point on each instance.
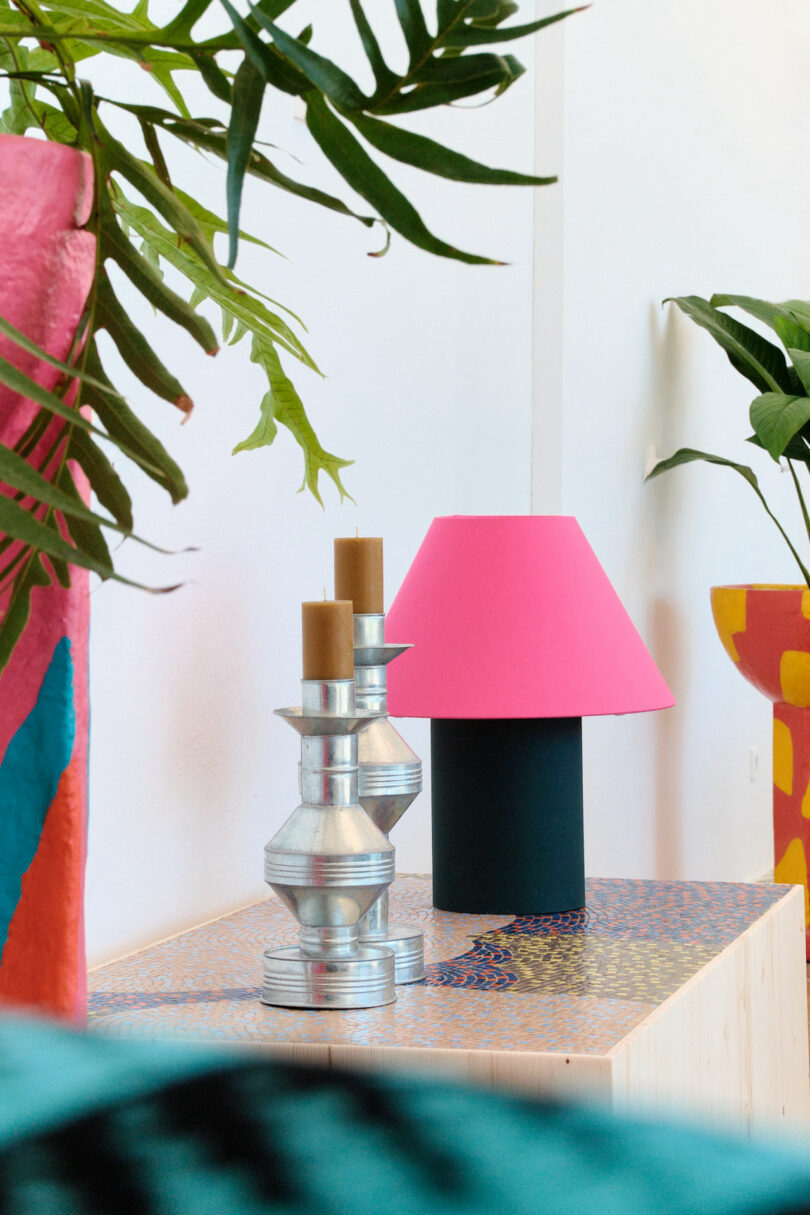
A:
(357, 533)
(324, 594)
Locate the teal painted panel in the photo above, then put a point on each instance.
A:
(30, 772)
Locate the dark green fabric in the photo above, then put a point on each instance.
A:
(91, 1125)
(506, 808)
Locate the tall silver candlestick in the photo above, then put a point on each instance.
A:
(328, 864)
(390, 779)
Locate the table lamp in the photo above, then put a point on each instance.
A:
(517, 635)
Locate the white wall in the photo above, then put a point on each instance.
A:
(681, 137)
(684, 132)
(429, 389)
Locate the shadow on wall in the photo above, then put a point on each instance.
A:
(668, 638)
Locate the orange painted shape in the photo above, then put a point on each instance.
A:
(806, 604)
(729, 609)
(41, 956)
(782, 757)
(794, 676)
(792, 870)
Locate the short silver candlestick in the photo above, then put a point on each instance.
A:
(328, 864)
(390, 779)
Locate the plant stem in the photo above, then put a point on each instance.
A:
(785, 536)
(800, 496)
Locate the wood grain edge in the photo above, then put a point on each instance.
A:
(531, 1073)
(732, 1042)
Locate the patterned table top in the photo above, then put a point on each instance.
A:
(571, 983)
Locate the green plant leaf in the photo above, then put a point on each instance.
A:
(248, 94)
(275, 69)
(801, 362)
(213, 75)
(687, 455)
(412, 22)
(757, 359)
(135, 349)
(288, 409)
(19, 474)
(794, 328)
(433, 157)
(182, 25)
(429, 96)
(26, 387)
(776, 418)
(265, 430)
(74, 373)
(234, 298)
(17, 522)
(150, 138)
(464, 69)
(18, 609)
(778, 317)
(212, 224)
(127, 431)
(104, 480)
(384, 77)
(204, 136)
(362, 174)
(319, 71)
(142, 273)
(164, 200)
(464, 35)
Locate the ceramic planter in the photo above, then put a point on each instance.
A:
(766, 633)
(47, 264)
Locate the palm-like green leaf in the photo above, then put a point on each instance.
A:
(433, 157)
(248, 94)
(18, 473)
(148, 281)
(450, 56)
(124, 428)
(135, 349)
(363, 175)
(16, 521)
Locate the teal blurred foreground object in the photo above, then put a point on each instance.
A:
(94, 1125)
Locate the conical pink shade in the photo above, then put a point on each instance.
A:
(513, 616)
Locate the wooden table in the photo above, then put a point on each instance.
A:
(682, 993)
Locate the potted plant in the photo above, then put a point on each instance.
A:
(164, 241)
(765, 629)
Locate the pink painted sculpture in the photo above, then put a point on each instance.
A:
(47, 262)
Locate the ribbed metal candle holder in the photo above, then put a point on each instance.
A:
(390, 779)
(328, 864)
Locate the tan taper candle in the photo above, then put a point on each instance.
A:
(327, 640)
(359, 572)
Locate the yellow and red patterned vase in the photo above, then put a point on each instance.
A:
(766, 633)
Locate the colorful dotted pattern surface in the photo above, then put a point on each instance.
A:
(575, 982)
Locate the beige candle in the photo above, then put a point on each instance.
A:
(359, 572)
(326, 633)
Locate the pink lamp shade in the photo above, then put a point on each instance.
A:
(512, 616)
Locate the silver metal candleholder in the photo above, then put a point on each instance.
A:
(328, 864)
(390, 778)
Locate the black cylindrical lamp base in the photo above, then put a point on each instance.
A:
(507, 815)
